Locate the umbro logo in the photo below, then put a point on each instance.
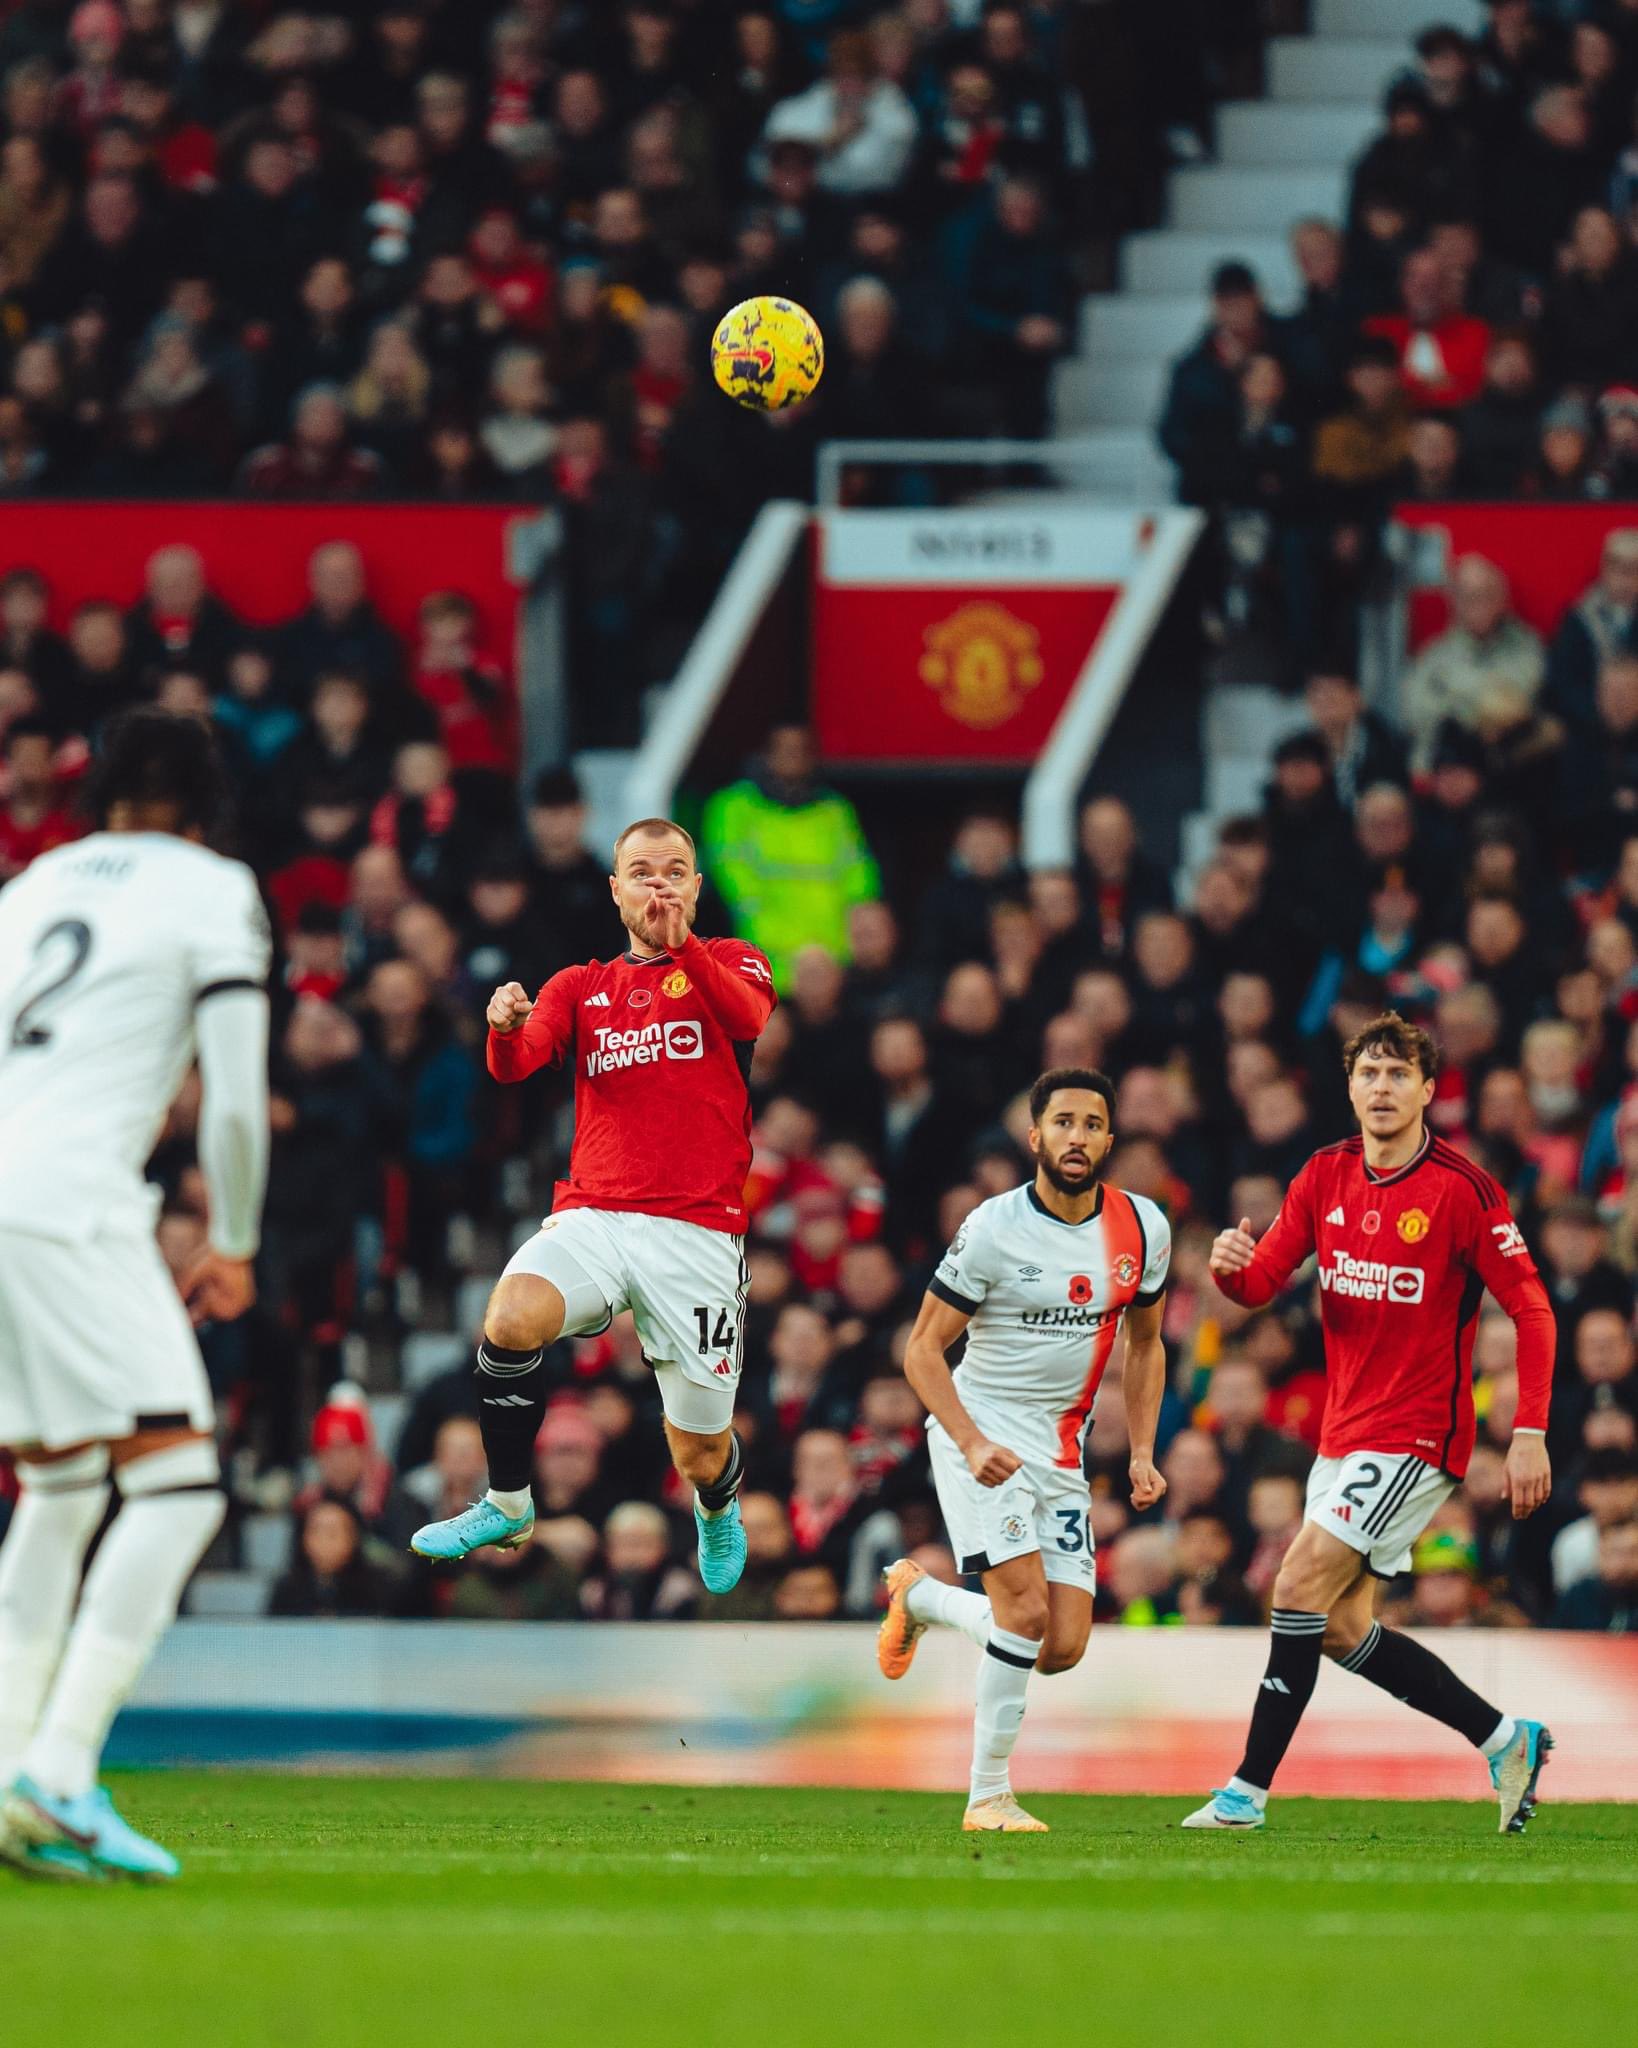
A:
(1336, 1216)
(1029, 1272)
(597, 1002)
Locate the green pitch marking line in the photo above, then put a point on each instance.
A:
(383, 1913)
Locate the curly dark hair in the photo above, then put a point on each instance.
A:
(1396, 1036)
(151, 758)
(1070, 1077)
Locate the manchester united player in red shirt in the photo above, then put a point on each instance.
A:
(1408, 1234)
(651, 1217)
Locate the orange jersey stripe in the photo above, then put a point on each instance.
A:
(1122, 1235)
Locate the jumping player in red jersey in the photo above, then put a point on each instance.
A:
(1408, 1233)
(652, 1215)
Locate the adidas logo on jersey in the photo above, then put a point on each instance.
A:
(597, 1002)
(1336, 1215)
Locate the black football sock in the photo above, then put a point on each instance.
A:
(715, 1497)
(511, 1408)
(1423, 1681)
(1287, 1687)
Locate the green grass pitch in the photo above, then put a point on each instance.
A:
(386, 1913)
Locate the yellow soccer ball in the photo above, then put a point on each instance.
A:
(767, 354)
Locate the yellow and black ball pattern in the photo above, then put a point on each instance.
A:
(767, 354)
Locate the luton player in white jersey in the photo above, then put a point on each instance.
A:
(123, 957)
(1042, 1280)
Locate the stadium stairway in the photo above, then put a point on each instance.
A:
(1278, 160)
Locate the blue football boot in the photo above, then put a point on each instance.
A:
(1514, 1773)
(722, 1548)
(470, 1530)
(1227, 1809)
(90, 1824)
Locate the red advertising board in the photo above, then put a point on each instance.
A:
(1549, 553)
(256, 556)
(956, 637)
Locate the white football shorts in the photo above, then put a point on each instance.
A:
(685, 1286)
(1042, 1507)
(94, 1341)
(1378, 1503)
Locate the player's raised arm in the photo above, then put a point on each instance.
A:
(525, 1036)
(937, 1327)
(1253, 1273)
(735, 982)
(1501, 1258)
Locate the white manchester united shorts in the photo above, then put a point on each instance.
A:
(1378, 1503)
(94, 1341)
(1042, 1507)
(685, 1286)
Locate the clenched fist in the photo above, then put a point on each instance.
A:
(990, 1464)
(509, 1007)
(1233, 1250)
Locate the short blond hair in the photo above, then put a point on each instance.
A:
(654, 828)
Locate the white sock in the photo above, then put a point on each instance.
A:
(510, 1504)
(930, 1600)
(1257, 1793)
(1003, 1675)
(59, 1510)
(129, 1600)
(1506, 1729)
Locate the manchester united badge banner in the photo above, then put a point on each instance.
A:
(957, 636)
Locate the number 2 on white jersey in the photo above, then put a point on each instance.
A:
(60, 953)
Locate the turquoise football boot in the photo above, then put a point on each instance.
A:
(470, 1530)
(1227, 1809)
(1514, 1773)
(722, 1548)
(92, 1825)
(48, 1862)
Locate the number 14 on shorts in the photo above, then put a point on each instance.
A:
(719, 1337)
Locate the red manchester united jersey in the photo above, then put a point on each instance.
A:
(661, 1051)
(1403, 1263)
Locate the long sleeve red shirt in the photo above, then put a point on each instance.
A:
(1404, 1262)
(661, 1051)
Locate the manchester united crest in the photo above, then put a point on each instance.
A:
(1414, 1225)
(982, 662)
(675, 984)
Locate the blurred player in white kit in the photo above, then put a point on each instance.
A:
(123, 957)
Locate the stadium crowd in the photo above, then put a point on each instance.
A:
(460, 250)
(1468, 330)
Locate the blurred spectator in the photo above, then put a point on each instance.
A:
(1485, 643)
(788, 855)
(638, 1581)
(860, 124)
(1603, 622)
(331, 1578)
(1606, 1600)
(33, 815)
